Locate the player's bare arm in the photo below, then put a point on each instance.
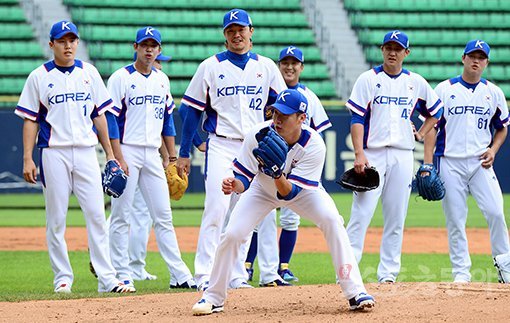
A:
(428, 146)
(169, 146)
(283, 185)
(102, 136)
(30, 129)
(425, 128)
(117, 151)
(489, 155)
(360, 160)
(232, 185)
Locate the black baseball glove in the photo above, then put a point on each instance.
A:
(429, 184)
(114, 180)
(360, 182)
(271, 152)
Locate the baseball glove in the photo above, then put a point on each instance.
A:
(429, 186)
(271, 152)
(176, 185)
(360, 182)
(114, 180)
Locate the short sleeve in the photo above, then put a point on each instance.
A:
(196, 93)
(28, 104)
(361, 95)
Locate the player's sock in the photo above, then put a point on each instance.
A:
(252, 252)
(287, 243)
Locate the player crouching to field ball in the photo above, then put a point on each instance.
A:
(280, 164)
(61, 102)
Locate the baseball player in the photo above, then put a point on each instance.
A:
(291, 64)
(382, 102)
(297, 188)
(145, 117)
(60, 103)
(233, 88)
(141, 222)
(465, 151)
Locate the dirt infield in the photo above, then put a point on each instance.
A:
(416, 240)
(401, 302)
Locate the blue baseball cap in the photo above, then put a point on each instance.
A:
(161, 58)
(148, 33)
(238, 17)
(291, 101)
(398, 37)
(292, 51)
(62, 28)
(477, 44)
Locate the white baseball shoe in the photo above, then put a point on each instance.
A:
(361, 301)
(63, 288)
(202, 307)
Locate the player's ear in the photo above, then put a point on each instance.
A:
(135, 46)
(51, 44)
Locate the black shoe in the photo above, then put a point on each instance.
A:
(190, 284)
(276, 283)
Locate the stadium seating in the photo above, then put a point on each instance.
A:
(20, 53)
(438, 31)
(191, 31)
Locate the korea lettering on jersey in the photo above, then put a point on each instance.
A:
(470, 113)
(142, 104)
(316, 116)
(64, 104)
(233, 99)
(301, 166)
(387, 104)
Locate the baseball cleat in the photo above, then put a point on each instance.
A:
(202, 307)
(388, 280)
(190, 284)
(63, 288)
(286, 274)
(122, 288)
(361, 301)
(203, 286)
(276, 283)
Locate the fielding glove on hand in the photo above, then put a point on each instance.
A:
(360, 182)
(429, 186)
(271, 152)
(114, 180)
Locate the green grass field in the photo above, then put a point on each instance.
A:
(27, 275)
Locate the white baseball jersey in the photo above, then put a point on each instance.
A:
(316, 116)
(233, 98)
(302, 166)
(144, 103)
(64, 104)
(465, 129)
(387, 104)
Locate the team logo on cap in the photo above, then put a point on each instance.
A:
(395, 34)
(233, 15)
(283, 95)
(65, 25)
(479, 43)
(148, 31)
(302, 107)
(290, 50)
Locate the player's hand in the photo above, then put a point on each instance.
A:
(487, 158)
(123, 165)
(202, 147)
(29, 171)
(417, 136)
(228, 185)
(360, 163)
(183, 166)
